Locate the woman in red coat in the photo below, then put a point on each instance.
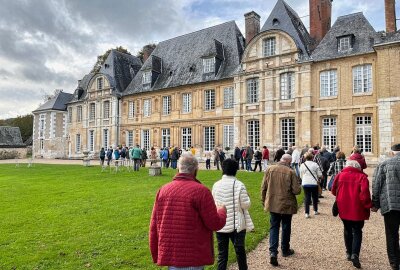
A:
(351, 188)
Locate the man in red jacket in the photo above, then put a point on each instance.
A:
(183, 220)
(265, 157)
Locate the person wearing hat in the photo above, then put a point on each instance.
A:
(385, 196)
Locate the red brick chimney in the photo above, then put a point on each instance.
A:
(390, 16)
(320, 18)
(252, 25)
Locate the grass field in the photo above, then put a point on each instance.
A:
(74, 217)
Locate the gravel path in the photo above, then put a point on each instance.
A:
(318, 243)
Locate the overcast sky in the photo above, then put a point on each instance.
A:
(51, 44)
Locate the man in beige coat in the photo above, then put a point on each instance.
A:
(278, 195)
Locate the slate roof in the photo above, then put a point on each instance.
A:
(356, 25)
(119, 69)
(285, 19)
(10, 137)
(181, 58)
(388, 38)
(58, 103)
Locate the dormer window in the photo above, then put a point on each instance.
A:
(344, 43)
(209, 65)
(269, 46)
(100, 83)
(146, 77)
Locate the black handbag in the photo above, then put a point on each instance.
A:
(335, 209)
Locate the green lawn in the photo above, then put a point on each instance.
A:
(73, 217)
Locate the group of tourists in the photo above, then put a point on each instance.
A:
(186, 213)
(126, 156)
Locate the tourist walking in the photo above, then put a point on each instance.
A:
(278, 194)
(136, 155)
(265, 157)
(174, 157)
(323, 164)
(183, 220)
(249, 158)
(165, 157)
(310, 174)
(216, 158)
(109, 155)
(279, 153)
(237, 155)
(144, 157)
(351, 188)
(336, 167)
(296, 160)
(232, 193)
(257, 160)
(153, 156)
(385, 196)
(207, 155)
(356, 155)
(102, 156)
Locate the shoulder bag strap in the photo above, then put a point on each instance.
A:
(310, 172)
(234, 212)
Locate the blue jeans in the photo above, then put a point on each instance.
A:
(295, 167)
(276, 220)
(173, 163)
(248, 165)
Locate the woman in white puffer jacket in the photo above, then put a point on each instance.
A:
(232, 193)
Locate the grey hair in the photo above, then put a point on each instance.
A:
(353, 163)
(187, 163)
(286, 158)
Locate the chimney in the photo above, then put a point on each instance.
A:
(147, 50)
(252, 25)
(390, 16)
(320, 19)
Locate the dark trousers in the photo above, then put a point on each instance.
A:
(208, 164)
(311, 192)
(248, 165)
(242, 161)
(136, 164)
(173, 163)
(353, 236)
(324, 181)
(238, 240)
(216, 163)
(257, 163)
(238, 161)
(276, 220)
(392, 223)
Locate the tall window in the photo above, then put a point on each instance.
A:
(252, 90)
(328, 83)
(344, 44)
(364, 133)
(130, 138)
(42, 125)
(146, 77)
(99, 83)
(186, 102)
(253, 133)
(166, 105)
(288, 134)
(329, 132)
(165, 137)
(209, 138)
(362, 79)
(269, 46)
(228, 97)
(208, 65)
(79, 113)
(287, 85)
(105, 138)
(92, 111)
(78, 143)
(106, 109)
(69, 115)
(186, 138)
(91, 140)
(131, 109)
(146, 139)
(146, 107)
(228, 136)
(209, 100)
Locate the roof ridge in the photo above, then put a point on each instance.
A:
(350, 15)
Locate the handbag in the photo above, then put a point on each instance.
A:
(335, 209)
(315, 178)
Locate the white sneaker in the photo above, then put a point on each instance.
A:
(307, 215)
(316, 213)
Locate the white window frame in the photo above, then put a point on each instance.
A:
(42, 125)
(362, 79)
(209, 100)
(147, 107)
(328, 83)
(165, 137)
(69, 114)
(91, 139)
(253, 133)
(252, 90)
(129, 138)
(344, 44)
(146, 77)
(329, 132)
(78, 143)
(209, 138)
(166, 105)
(131, 109)
(363, 133)
(186, 137)
(92, 111)
(287, 85)
(186, 102)
(106, 109)
(269, 46)
(228, 97)
(79, 113)
(209, 65)
(228, 136)
(288, 132)
(146, 139)
(106, 138)
(100, 83)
